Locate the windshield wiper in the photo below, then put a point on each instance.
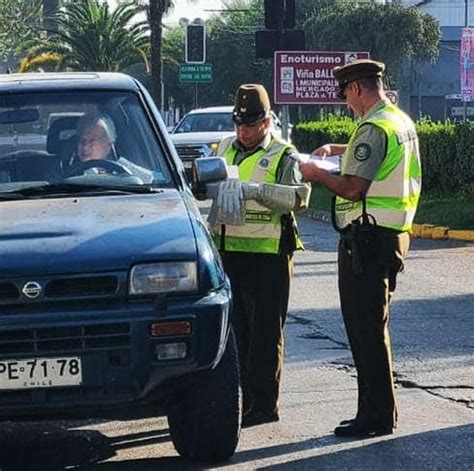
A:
(11, 195)
(61, 188)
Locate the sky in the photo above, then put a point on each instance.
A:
(191, 10)
(188, 9)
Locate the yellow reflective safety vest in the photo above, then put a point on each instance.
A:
(262, 230)
(393, 195)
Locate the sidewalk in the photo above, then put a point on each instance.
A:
(423, 231)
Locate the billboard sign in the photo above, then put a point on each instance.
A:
(305, 77)
(467, 64)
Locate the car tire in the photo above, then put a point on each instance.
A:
(205, 419)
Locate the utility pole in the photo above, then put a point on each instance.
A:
(280, 21)
(466, 24)
(285, 109)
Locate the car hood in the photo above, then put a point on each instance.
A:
(191, 138)
(87, 234)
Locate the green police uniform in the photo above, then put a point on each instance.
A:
(258, 259)
(384, 150)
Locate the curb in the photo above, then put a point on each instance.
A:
(430, 231)
(420, 231)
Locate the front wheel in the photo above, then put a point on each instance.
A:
(204, 419)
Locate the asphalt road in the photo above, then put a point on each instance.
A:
(432, 326)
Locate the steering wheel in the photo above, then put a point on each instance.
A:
(108, 165)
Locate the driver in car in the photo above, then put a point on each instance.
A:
(96, 150)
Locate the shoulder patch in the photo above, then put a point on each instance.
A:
(362, 152)
(264, 162)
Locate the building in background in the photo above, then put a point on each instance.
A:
(434, 90)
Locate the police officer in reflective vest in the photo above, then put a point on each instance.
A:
(377, 195)
(257, 254)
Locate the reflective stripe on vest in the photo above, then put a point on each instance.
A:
(261, 232)
(394, 193)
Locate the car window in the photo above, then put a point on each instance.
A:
(39, 138)
(206, 122)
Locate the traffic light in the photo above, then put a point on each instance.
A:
(270, 40)
(195, 44)
(280, 14)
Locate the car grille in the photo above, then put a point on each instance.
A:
(190, 152)
(86, 286)
(64, 339)
(9, 292)
(61, 288)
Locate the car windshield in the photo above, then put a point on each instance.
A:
(206, 122)
(84, 137)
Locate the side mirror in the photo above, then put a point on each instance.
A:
(207, 170)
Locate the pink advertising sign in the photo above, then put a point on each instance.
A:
(467, 64)
(305, 77)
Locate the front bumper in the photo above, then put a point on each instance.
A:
(121, 374)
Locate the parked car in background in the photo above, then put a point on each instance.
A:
(200, 131)
(113, 299)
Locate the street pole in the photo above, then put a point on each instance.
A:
(162, 90)
(285, 108)
(466, 23)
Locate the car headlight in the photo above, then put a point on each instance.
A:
(166, 277)
(214, 146)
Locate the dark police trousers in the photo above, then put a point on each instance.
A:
(365, 299)
(260, 290)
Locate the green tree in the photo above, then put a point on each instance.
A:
(391, 32)
(20, 24)
(231, 49)
(173, 55)
(87, 36)
(156, 10)
(230, 44)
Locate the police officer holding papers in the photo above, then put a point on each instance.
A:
(377, 195)
(252, 221)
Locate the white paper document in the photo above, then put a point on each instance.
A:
(331, 164)
(232, 171)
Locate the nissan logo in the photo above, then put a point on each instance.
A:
(32, 289)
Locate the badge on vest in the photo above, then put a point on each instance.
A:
(362, 152)
(264, 163)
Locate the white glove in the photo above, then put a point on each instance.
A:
(279, 198)
(228, 206)
(251, 190)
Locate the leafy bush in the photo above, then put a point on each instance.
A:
(438, 152)
(447, 150)
(463, 166)
(309, 135)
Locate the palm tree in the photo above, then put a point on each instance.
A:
(156, 11)
(88, 37)
(49, 9)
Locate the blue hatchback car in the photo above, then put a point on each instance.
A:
(113, 300)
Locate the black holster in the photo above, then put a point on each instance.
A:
(361, 237)
(364, 244)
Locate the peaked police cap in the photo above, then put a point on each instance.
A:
(362, 68)
(251, 103)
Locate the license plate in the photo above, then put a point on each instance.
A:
(40, 373)
(188, 164)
